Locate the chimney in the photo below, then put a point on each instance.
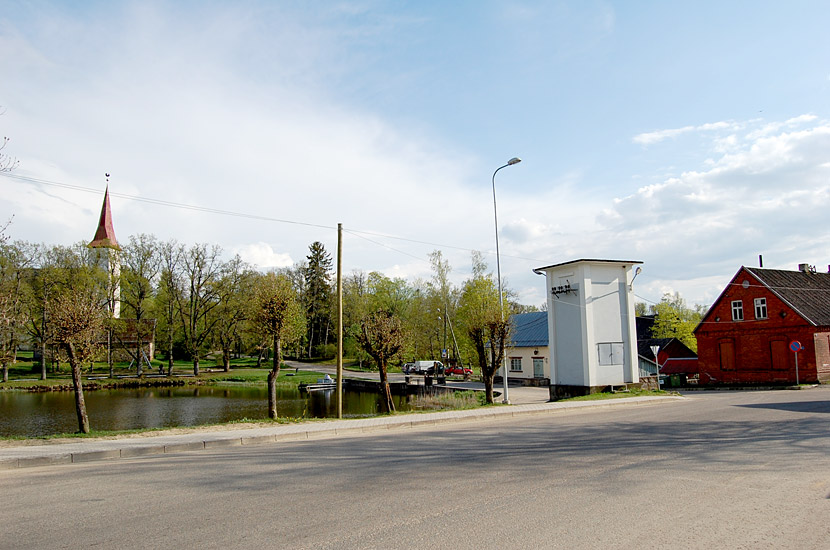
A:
(804, 268)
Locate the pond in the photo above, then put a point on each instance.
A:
(47, 413)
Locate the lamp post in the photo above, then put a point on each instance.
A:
(511, 162)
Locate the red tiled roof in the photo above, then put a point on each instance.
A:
(105, 234)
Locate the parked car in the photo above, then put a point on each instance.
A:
(428, 367)
(458, 371)
(408, 368)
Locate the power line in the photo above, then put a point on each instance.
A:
(161, 202)
(208, 210)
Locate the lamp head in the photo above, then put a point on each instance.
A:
(514, 160)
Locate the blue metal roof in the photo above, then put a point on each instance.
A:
(530, 330)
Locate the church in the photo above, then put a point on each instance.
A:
(127, 339)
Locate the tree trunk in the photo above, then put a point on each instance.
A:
(5, 372)
(488, 388)
(311, 339)
(170, 351)
(272, 380)
(109, 352)
(196, 365)
(385, 390)
(139, 371)
(226, 359)
(80, 404)
(43, 348)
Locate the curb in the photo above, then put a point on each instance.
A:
(59, 454)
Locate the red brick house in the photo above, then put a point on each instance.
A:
(745, 337)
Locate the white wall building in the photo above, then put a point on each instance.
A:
(527, 355)
(591, 326)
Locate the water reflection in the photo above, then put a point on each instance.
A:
(39, 414)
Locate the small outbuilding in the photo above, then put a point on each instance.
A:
(591, 326)
(527, 355)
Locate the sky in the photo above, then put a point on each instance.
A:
(690, 136)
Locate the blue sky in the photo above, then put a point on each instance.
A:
(692, 137)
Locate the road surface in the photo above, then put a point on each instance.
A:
(718, 470)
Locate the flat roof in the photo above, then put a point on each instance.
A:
(588, 260)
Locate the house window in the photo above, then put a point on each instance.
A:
(760, 308)
(737, 310)
(610, 353)
(516, 364)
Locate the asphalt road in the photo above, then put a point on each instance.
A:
(719, 470)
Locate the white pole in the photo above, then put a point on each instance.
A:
(796, 368)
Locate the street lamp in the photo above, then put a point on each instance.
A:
(511, 162)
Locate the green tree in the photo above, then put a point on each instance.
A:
(16, 260)
(674, 319)
(201, 267)
(278, 313)
(141, 266)
(355, 308)
(487, 325)
(233, 291)
(318, 295)
(443, 300)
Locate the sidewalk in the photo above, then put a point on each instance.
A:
(49, 454)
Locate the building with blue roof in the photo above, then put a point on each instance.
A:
(527, 354)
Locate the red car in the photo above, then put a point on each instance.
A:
(459, 371)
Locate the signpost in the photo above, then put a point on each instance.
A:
(655, 350)
(795, 347)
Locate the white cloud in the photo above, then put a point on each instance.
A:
(656, 136)
(263, 256)
(770, 197)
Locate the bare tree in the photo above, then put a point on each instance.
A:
(7, 163)
(76, 315)
(278, 312)
(382, 336)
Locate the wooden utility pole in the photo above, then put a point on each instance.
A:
(339, 320)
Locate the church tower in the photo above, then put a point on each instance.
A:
(106, 253)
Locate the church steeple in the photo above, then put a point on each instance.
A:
(105, 234)
(106, 254)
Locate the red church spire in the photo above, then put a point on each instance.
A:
(105, 234)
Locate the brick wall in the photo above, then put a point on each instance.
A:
(756, 351)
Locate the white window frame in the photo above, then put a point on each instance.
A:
(515, 364)
(737, 310)
(760, 308)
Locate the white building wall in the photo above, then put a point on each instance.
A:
(591, 328)
(526, 354)
(566, 329)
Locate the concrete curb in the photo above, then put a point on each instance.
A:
(82, 451)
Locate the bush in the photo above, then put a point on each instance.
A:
(327, 351)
